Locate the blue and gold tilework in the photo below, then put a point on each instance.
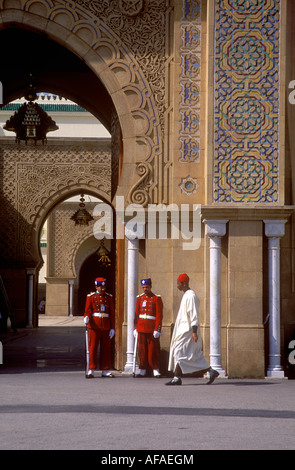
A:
(246, 106)
(190, 81)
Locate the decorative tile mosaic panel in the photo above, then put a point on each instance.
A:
(190, 79)
(246, 101)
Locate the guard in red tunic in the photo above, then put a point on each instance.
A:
(148, 326)
(100, 318)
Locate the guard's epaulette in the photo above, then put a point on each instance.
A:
(139, 295)
(91, 293)
(111, 295)
(158, 295)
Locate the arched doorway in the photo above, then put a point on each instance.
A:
(80, 258)
(62, 72)
(119, 82)
(77, 56)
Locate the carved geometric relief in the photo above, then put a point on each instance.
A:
(131, 7)
(132, 41)
(33, 175)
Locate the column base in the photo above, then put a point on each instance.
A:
(276, 374)
(218, 368)
(215, 363)
(128, 368)
(220, 371)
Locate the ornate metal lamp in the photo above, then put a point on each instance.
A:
(82, 216)
(30, 121)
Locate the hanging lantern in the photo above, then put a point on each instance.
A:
(30, 121)
(103, 253)
(82, 216)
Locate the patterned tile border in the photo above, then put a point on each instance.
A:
(190, 81)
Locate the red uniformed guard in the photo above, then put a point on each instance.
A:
(148, 325)
(100, 317)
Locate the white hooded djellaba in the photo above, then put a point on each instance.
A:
(183, 349)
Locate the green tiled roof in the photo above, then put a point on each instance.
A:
(70, 108)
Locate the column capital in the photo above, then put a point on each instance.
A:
(275, 228)
(133, 244)
(216, 227)
(131, 234)
(30, 271)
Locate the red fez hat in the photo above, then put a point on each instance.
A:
(183, 278)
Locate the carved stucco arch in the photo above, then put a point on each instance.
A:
(105, 54)
(53, 201)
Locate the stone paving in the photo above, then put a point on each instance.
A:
(47, 404)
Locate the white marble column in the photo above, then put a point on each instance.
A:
(30, 274)
(71, 297)
(215, 229)
(274, 230)
(133, 247)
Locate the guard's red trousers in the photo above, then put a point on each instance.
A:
(148, 351)
(96, 337)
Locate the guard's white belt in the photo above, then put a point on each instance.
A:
(148, 317)
(101, 315)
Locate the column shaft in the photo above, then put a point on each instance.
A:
(215, 354)
(215, 229)
(30, 273)
(274, 367)
(131, 299)
(274, 230)
(71, 295)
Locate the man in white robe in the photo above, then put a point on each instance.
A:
(186, 351)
